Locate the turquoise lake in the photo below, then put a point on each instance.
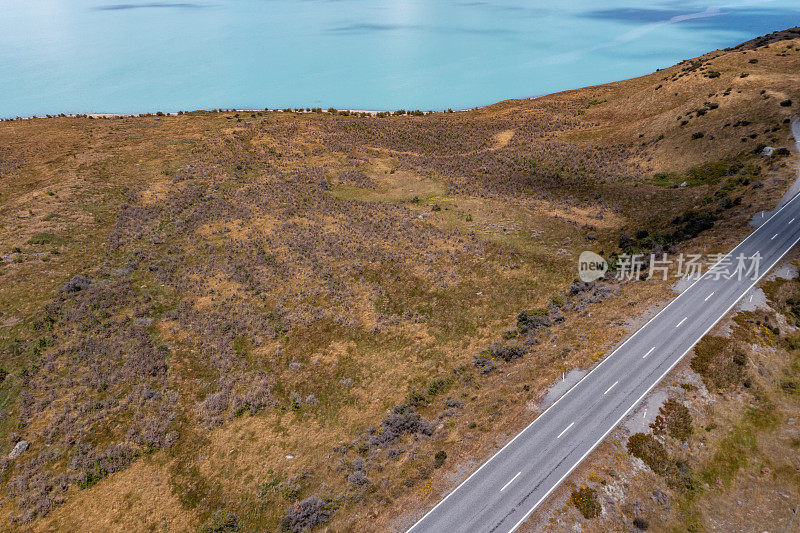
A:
(129, 56)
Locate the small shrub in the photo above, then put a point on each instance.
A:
(484, 362)
(417, 398)
(506, 352)
(76, 284)
(358, 478)
(641, 523)
(673, 418)
(452, 403)
(650, 451)
(295, 401)
(403, 419)
(690, 224)
(715, 362)
(585, 500)
(439, 458)
(531, 320)
(793, 303)
(220, 523)
(438, 386)
(305, 514)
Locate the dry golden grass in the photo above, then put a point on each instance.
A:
(137, 499)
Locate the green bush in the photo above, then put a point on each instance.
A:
(666, 178)
(438, 386)
(439, 458)
(651, 452)
(707, 173)
(673, 419)
(585, 500)
(716, 362)
(221, 523)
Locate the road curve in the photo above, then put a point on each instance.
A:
(502, 493)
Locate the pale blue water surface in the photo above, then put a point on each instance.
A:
(132, 56)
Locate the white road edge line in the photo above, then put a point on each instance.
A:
(611, 387)
(709, 296)
(667, 371)
(565, 430)
(595, 368)
(649, 352)
(510, 482)
(681, 322)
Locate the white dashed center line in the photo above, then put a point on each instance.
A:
(773, 237)
(510, 482)
(709, 296)
(611, 387)
(681, 322)
(565, 430)
(791, 221)
(649, 352)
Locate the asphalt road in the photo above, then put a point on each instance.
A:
(505, 490)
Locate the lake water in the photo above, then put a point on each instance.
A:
(131, 56)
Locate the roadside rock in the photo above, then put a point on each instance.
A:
(19, 449)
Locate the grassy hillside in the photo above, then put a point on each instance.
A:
(257, 320)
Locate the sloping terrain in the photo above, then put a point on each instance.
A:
(720, 442)
(257, 320)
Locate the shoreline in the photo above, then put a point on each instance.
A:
(306, 110)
